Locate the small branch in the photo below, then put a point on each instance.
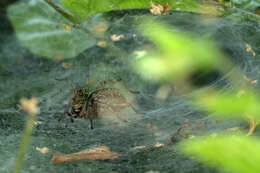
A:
(65, 14)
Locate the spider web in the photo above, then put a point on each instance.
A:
(26, 74)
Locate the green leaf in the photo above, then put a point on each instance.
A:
(239, 154)
(86, 8)
(231, 104)
(42, 30)
(178, 53)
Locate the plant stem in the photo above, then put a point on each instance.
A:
(65, 14)
(24, 144)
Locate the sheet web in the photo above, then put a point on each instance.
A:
(139, 138)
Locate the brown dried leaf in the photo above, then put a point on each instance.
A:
(98, 153)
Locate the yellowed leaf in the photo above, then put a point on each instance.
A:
(158, 144)
(159, 9)
(43, 150)
(249, 49)
(139, 147)
(67, 28)
(115, 37)
(102, 43)
(66, 65)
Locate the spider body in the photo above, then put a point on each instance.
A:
(89, 105)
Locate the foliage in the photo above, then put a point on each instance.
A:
(43, 31)
(231, 104)
(87, 8)
(178, 53)
(177, 56)
(239, 154)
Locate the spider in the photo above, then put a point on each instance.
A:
(88, 105)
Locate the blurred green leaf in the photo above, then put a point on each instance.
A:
(239, 154)
(45, 32)
(178, 53)
(231, 104)
(86, 8)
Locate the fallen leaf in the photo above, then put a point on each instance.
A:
(36, 123)
(102, 43)
(66, 65)
(115, 37)
(158, 144)
(43, 150)
(139, 147)
(98, 153)
(249, 49)
(67, 28)
(159, 9)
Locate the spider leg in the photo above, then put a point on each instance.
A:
(55, 94)
(130, 105)
(69, 81)
(91, 123)
(101, 84)
(66, 112)
(83, 109)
